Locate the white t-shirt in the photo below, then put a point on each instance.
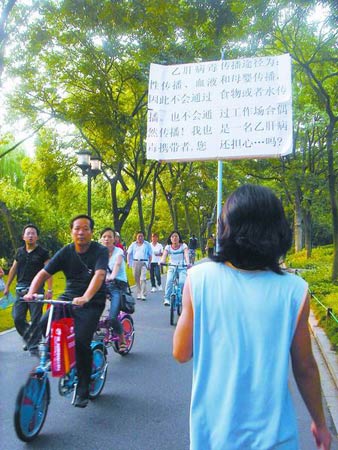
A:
(121, 275)
(140, 252)
(176, 256)
(157, 251)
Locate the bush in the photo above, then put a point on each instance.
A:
(317, 272)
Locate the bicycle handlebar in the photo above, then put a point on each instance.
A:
(174, 265)
(40, 299)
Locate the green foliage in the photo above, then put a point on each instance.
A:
(85, 65)
(316, 271)
(10, 167)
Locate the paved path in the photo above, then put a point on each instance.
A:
(144, 405)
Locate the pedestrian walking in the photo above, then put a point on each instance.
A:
(192, 245)
(29, 260)
(242, 320)
(155, 272)
(118, 242)
(210, 247)
(139, 258)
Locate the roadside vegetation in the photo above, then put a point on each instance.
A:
(316, 271)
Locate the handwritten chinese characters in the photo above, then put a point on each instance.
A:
(220, 109)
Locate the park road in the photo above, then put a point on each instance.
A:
(144, 404)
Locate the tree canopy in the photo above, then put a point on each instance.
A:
(81, 81)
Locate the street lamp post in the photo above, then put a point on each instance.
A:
(90, 166)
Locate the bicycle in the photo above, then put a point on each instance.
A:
(111, 339)
(32, 402)
(176, 293)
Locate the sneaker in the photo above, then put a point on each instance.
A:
(100, 333)
(153, 289)
(159, 288)
(80, 401)
(24, 347)
(34, 351)
(166, 302)
(143, 299)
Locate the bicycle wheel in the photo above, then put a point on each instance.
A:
(31, 407)
(129, 331)
(99, 371)
(172, 309)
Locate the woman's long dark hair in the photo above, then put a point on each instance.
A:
(253, 232)
(180, 240)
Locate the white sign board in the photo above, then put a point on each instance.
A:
(225, 109)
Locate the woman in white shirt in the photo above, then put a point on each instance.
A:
(178, 254)
(116, 281)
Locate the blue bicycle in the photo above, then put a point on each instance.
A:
(33, 399)
(176, 293)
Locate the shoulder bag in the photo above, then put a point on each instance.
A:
(127, 301)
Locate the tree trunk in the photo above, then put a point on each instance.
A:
(333, 198)
(187, 218)
(6, 10)
(9, 225)
(140, 212)
(153, 209)
(298, 229)
(308, 233)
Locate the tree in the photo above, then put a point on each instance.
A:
(6, 9)
(85, 65)
(316, 62)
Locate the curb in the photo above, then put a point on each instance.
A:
(327, 361)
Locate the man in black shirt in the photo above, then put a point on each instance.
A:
(84, 264)
(29, 260)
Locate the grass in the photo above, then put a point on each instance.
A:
(317, 272)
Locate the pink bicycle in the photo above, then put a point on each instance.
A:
(108, 336)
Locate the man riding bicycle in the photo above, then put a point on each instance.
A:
(84, 264)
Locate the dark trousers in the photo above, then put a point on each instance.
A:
(19, 313)
(86, 319)
(155, 273)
